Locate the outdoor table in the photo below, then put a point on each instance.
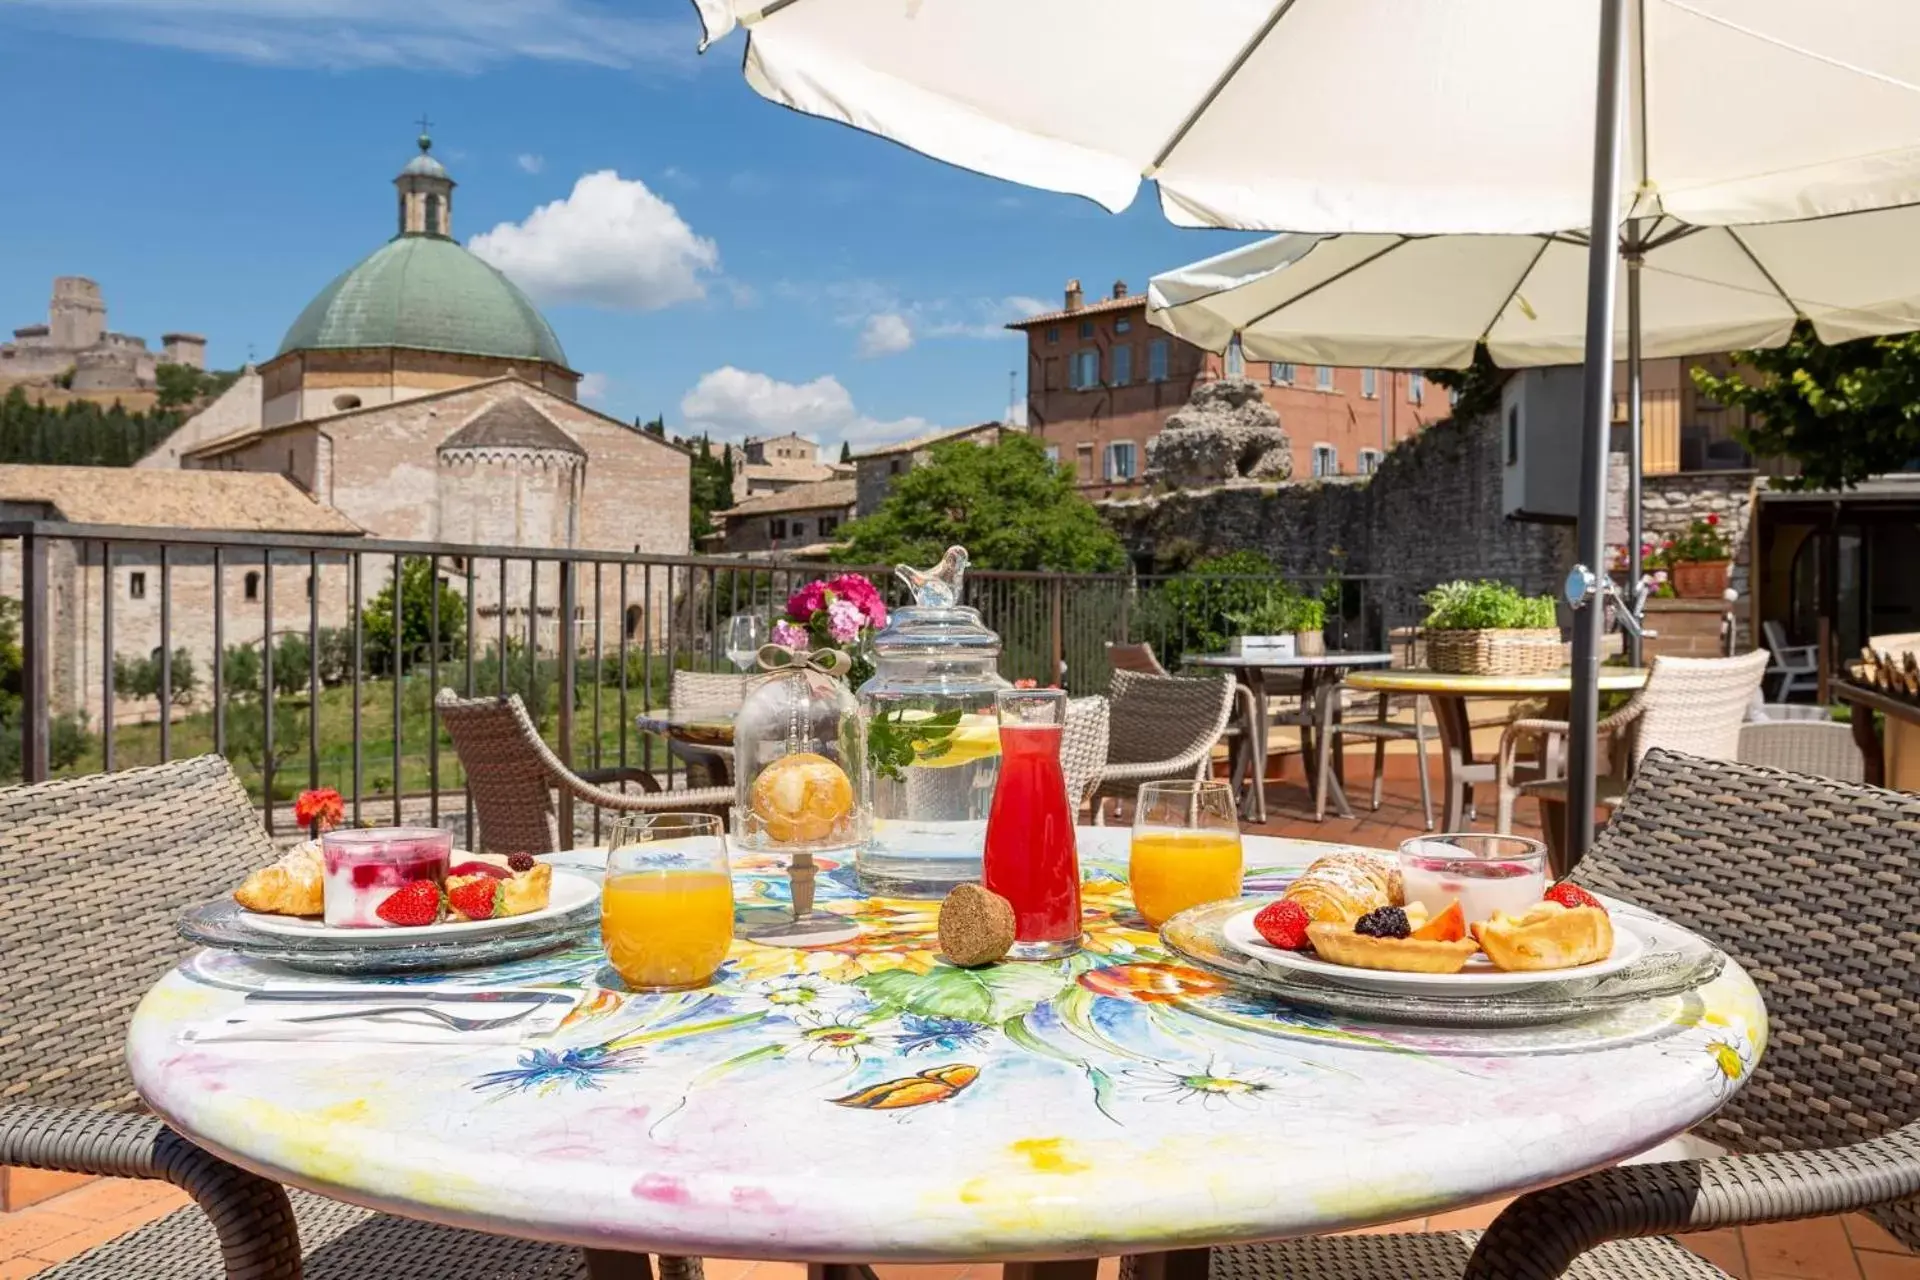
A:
(1447, 694)
(1250, 670)
(864, 1102)
(693, 734)
(1901, 732)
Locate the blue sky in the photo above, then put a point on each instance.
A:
(725, 262)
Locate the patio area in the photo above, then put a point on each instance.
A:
(60, 1216)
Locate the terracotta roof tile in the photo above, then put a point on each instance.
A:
(1091, 308)
(256, 502)
(929, 439)
(802, 497)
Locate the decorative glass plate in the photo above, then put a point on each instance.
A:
(223, 924)
(1472, 982)
(1673, 962)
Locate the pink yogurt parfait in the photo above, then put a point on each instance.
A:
(1485, 873)
(363, 868)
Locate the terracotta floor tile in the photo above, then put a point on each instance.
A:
(1868, 1234)
(23, 1232)
(726, 1268)
(1816, 1249)
(1411, 1225)
(1471, 1218)
(21, 1268)
(24, 1187)
(72, 1246)
(1109, 1269)
(1722, 1248)
(905, 1271)
(107, 1198)
(1888, 1266)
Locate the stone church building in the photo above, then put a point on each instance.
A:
(420, 396)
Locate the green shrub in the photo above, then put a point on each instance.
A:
(1473, 606)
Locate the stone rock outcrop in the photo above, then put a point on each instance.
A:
(1226, 432)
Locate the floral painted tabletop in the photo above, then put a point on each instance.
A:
(869, 1102)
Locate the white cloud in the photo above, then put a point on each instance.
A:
(885, 334)
(739, 402)
(456, 35)
(1016, 414)
(594, 387)
(530, 162)
(612, 243)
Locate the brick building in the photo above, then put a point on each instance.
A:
(876, 468)
(802, 518)
(1101, 382)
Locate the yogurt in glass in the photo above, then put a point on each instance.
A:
(1486, 873)
(363, 868)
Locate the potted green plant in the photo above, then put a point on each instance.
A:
(1266, 628)
(1310, 628)
(1490, 628)
(1700, 560)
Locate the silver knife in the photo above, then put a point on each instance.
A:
(412, 995)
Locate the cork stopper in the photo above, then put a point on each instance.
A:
(976, 926)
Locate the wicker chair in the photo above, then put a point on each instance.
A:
(1694, 705)
(1161, 728)
(1830, 1121)
(1083, 748)
(96, 870)
(512, 774)
(1247, 758)
(1819, 747)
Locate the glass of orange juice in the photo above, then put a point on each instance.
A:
(666, 908)
(1186, 848)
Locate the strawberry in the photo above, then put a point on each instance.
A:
(415, 903)
(476, 899)
(1284, 924)
(480, 869)
(1570, 895)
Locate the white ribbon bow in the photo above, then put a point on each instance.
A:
(828, 662)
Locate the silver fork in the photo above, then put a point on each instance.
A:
(451, 1021)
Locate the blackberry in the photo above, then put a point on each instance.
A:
(1383, 922)
(524, 862)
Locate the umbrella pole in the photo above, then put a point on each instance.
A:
(1596, 420)
(1635, 522)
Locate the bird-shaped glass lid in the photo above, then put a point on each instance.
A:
(936, 621)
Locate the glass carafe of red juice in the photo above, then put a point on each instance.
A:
(1030, 858)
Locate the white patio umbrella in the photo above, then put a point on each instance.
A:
(1402, 116)
(1428, 301)
(1368, 115)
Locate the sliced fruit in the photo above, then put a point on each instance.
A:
(480, 869)
(477, 898)
(415, 903)
(1570, 895)
(1449, 926)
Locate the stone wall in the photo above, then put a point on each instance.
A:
(1431, 513)
(1670, 503)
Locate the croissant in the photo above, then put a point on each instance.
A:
(290, 887)
(1341, 887)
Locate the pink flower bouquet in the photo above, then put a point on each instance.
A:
(835, 613)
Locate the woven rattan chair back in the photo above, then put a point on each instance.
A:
(1820, 747)
(1134, 657)
(1083, 747)
(1696, 705)
(509, 772)
(94, 873)
(1162, 717)
(703, 690)
(1810, 884)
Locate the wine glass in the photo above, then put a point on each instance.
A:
(746, 632)
(1186, 847)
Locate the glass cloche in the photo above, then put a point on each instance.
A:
(797, 743)
(933, 743)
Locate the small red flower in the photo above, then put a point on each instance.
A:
(1667, 545)
(321, 806)
(1713, 519)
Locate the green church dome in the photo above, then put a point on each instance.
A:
(426, 293)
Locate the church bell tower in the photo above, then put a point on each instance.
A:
(426, 194)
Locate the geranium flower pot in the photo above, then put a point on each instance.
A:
(1701, 579)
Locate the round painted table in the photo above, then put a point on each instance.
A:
(1447, 693)
(868, 1103)
(1319, 679)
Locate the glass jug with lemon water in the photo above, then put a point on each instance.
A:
(933, 742)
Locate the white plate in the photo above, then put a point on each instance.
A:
(571, 891)
(1479, 975)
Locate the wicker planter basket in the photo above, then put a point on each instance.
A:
(1701, 579)
(1496, 652)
